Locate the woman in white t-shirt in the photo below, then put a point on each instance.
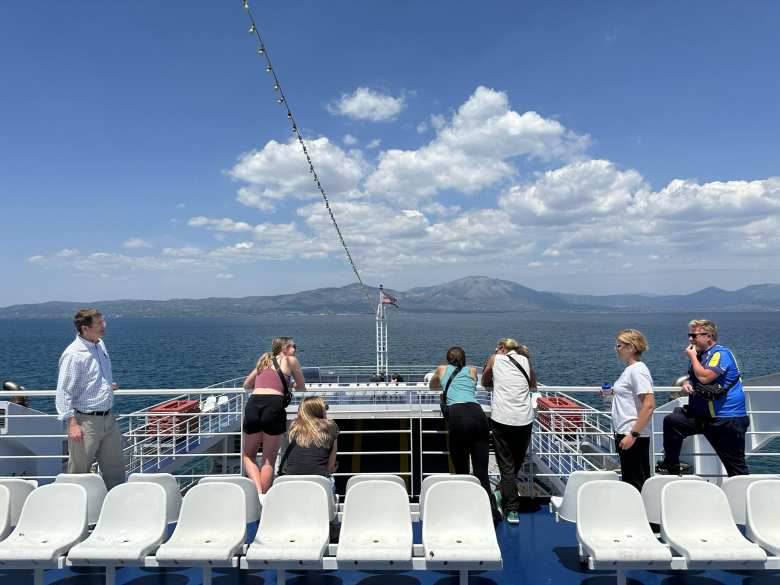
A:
(633, 403)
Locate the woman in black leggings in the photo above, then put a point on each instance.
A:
(469, 431)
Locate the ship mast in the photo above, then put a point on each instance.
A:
(382, 367)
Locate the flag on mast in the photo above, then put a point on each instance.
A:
(389, 299)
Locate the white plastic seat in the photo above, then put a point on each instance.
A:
(96, 491)
(18, 492)
(709, 538)
(458, 526)
(763, 514)
(131, 526)
(651, 493)
(5, 511)
(376, 530)
(320, 480)
(565, 507)
(612, 526)
(211, 528)
(171, 487)
(294, 528)
(249, 488)
(432, 480)
(356, 479)
(736, 488)
(53, 519)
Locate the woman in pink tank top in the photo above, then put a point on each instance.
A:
(265, 418)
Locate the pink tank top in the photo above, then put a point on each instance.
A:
(269, 378)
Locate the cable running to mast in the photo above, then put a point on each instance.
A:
(282, 99)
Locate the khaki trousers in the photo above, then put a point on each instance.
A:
(101, 441)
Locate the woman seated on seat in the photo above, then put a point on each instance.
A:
(313, 436)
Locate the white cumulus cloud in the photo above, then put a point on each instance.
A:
(367, 104)
(135, 243)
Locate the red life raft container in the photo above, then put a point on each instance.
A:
(559, 414)
(178, 422)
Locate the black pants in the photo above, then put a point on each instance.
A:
(725, 434)
(511, 444)
(469, 437)
(634, 462)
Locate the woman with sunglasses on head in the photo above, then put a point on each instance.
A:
(265, 418)
(467, 425)
(633, 403)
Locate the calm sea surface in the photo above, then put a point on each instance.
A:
(574, 349)
(567, 349)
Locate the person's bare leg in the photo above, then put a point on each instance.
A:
(271, 444)
(249, 456)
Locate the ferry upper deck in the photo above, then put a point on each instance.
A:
(393, 429)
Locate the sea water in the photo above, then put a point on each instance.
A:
(566, 348)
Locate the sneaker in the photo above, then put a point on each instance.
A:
(663, 468)
(513, 518)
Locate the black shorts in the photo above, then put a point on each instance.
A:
(264, 413)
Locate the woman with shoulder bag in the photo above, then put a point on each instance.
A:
(509, 374)
(265, 418)
(469, 432)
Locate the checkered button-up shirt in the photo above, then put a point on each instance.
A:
(85, 379)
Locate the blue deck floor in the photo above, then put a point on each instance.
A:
(537, 551)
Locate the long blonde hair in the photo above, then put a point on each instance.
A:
(277, 345)
(312, 428)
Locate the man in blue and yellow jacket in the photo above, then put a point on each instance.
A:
(723, 421)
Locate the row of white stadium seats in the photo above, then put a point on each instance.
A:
(293, 532)
(19, 489)
(697, 528)
(735, 489)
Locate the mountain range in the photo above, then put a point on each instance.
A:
(472, 294)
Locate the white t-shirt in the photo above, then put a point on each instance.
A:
(510, 403)
(634, 380)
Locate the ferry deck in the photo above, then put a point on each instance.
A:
(392, 429)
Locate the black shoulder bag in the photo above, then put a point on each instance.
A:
(519, 367)
(445, 410)
(287, 396)
(283, 462)
(712, 391)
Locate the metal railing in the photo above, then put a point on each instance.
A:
(207, 439)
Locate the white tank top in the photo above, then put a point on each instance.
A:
(511, 399)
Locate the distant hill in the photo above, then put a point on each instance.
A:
(470, 294)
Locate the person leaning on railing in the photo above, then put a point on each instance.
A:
(633, 403)
(511, 377)
(467, 425)
(716, 404)
(265, 417)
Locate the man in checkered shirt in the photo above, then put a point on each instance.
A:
(85, 395)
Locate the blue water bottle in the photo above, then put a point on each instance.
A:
(606, 392)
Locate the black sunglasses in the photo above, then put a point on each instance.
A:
(696, 334)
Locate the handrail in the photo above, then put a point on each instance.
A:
(559, 447)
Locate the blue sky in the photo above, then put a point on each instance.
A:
(579, 147)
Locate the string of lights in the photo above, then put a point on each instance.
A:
(282, 100)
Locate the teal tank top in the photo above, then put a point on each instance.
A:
(462, 389)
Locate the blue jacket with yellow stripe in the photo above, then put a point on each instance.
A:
(719, 359)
